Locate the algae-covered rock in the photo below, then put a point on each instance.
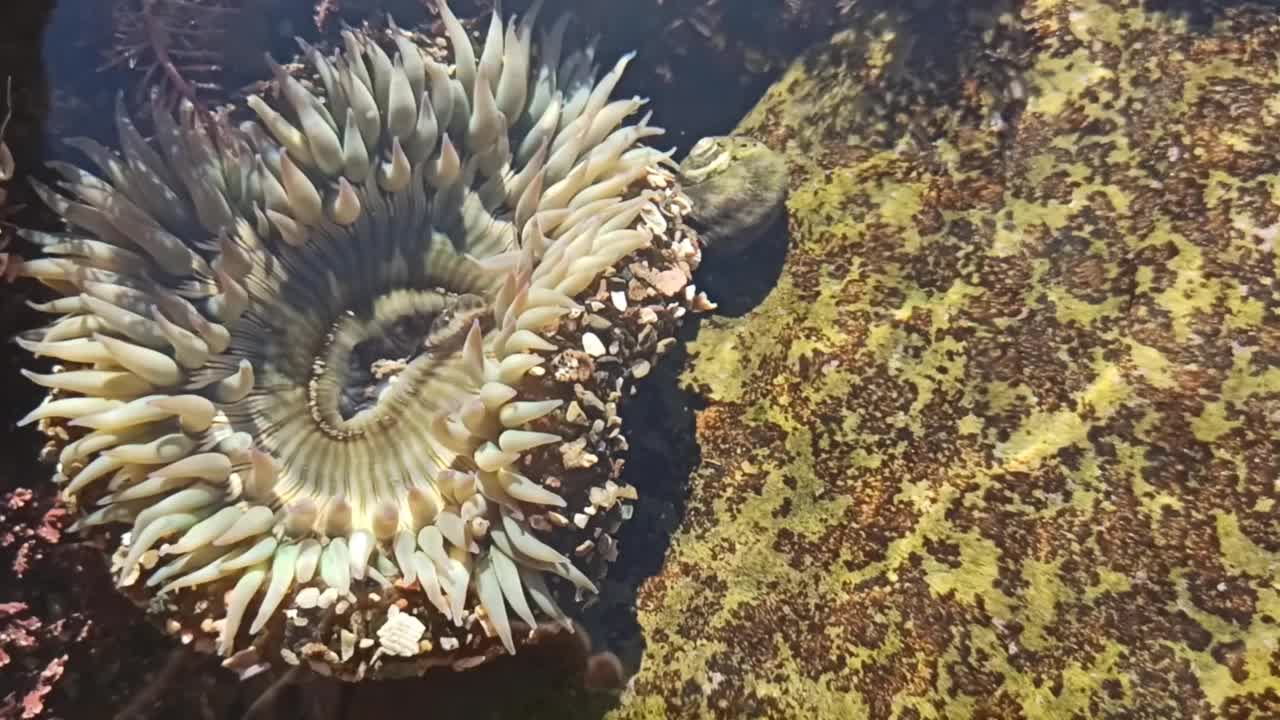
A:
(1002, 440)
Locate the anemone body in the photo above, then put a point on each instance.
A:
(347, 375)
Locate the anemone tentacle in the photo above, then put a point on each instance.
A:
(336, 356)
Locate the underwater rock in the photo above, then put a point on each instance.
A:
(1001, 442)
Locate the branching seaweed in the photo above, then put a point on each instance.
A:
(6, 157)
(176, 43)
(323, 9)
(8, 264)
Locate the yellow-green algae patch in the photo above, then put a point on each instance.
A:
(1002, 441)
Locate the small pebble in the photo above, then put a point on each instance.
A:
(592, 344)
(308, 597)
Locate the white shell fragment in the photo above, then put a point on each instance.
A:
(593, 345)
(400, 634)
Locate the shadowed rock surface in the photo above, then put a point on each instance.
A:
(1001, 441)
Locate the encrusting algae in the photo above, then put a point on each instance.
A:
(348, 374)
(1001, 441)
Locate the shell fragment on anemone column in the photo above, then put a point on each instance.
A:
(308, 359)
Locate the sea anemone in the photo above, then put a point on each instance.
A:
(344, 379)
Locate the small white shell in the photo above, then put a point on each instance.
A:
(592, 344)
(400, 634)
(653, 218)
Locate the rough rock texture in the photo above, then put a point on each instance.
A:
(1001, 442)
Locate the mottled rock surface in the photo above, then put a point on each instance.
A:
(1002, 440)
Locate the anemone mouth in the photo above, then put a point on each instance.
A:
(362, 356)
(402, 338)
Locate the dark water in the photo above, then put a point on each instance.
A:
(92, 50)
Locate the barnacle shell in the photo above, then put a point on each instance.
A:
(314, 362)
